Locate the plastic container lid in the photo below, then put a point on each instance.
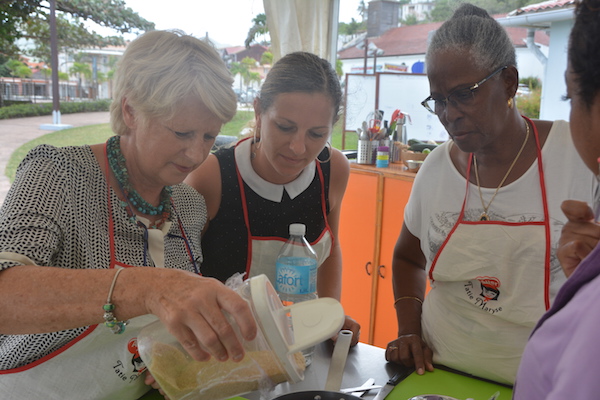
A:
(312, 322)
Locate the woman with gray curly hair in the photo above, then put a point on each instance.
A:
(483, 220)
(98, 241)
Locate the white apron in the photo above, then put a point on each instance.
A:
(263, 251)
(95, 365)
(490, 285)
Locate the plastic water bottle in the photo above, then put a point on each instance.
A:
(296, 273)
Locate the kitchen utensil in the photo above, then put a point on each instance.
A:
(338, 360)
(368, 385)
(413, 165)
(364, 388)
(317, 395)
(432, 397)
(495, 396)
(367, 150)
(270, 358)
(389, 386)
(334, 376)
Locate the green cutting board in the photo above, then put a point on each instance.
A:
(449, 384)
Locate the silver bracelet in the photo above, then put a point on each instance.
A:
(117, 327)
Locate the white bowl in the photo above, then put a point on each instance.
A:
(414, 165)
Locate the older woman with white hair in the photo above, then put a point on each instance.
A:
(97, 241)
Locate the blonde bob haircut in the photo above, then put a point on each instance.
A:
(160, 69)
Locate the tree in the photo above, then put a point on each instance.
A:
(238, 68)
(410, 20)
(12, 13)
(259, 27)
(444, 9)
(29, 19)
(253, 77)
(351, 28)
(81, 70)
(363, 10)
(339, 68)
(266, 58)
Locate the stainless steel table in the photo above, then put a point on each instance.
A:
(364, 362)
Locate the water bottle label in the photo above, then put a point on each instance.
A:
(296, 275)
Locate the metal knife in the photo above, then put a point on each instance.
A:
(394, 380)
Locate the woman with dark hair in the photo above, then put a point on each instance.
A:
(562, 358)
(285, 173)
(484, 211)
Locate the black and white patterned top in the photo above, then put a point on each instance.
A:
(56, 214)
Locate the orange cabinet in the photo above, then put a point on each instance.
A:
(371, 219)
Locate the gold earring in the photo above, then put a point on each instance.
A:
(511, 103)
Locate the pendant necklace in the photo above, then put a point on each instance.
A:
(484, 215)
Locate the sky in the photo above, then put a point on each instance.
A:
(226, 21)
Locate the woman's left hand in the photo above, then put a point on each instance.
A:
(351, 325)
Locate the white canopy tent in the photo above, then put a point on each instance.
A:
(303, 25)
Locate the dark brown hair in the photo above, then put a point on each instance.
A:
(584, 49)
(301, 72)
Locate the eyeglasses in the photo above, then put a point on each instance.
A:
(459, 97)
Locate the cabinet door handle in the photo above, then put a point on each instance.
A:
(367, 268)
(380, 271)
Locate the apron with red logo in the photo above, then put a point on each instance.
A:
(490, 285)
(95, 365)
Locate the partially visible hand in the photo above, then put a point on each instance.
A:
(351, 325)
(150, 381)
(410, 350)
(193, 309)
(579, 236)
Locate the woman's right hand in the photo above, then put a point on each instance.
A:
(579, 235)
(193, 309)
(410, 350)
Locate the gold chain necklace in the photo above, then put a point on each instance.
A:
(484, 215)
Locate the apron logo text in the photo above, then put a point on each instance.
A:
(489, 292)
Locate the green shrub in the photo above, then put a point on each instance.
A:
(32, 110)
(532, 82)
(529, 104)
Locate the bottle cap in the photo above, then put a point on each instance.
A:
(297, 229)
(383, 148)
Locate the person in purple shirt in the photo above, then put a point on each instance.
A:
(562, 358)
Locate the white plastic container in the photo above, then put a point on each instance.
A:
(272, 357)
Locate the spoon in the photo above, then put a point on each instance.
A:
(495, 396)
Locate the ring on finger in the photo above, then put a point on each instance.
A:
(392, 348)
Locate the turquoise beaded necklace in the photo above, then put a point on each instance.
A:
(116, 160)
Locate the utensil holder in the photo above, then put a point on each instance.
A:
(367, 151)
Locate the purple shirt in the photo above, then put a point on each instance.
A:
(562, 358)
